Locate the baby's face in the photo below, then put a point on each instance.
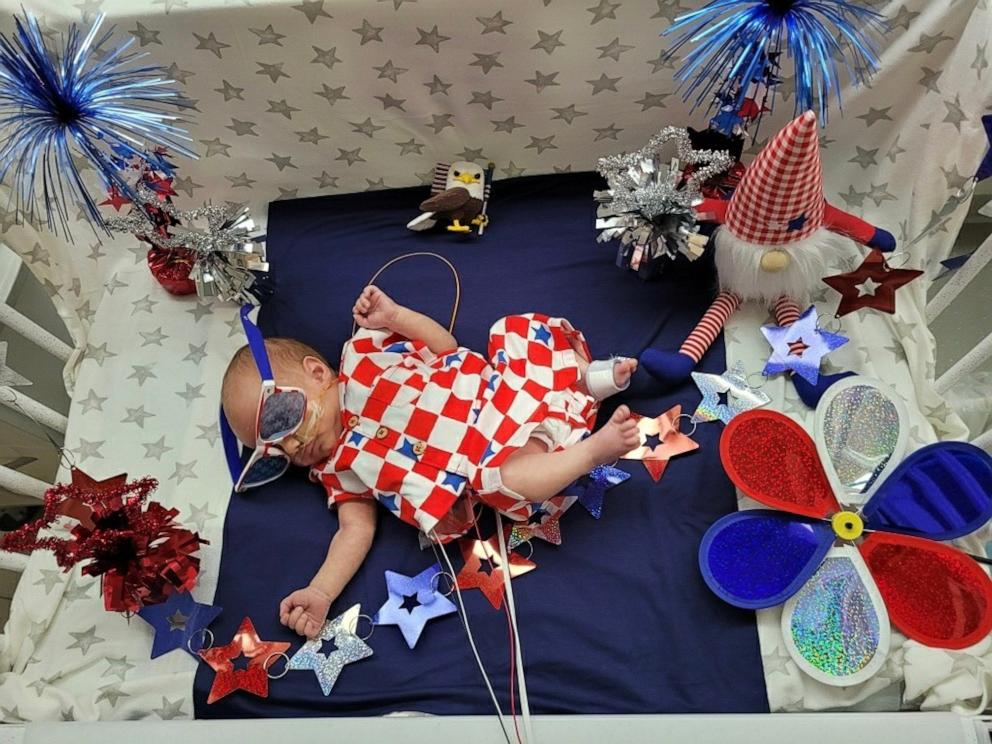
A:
(317, 436)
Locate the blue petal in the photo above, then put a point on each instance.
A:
(942, 491)
(759, 558)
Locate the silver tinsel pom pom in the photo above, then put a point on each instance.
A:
(648, 207)
(223, 236)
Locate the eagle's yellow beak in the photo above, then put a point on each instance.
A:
(466, 178)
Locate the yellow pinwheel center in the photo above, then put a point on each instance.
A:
(847, 525)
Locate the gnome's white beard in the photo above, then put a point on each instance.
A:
(738, 264)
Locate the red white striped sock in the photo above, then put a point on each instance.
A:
(786, 311)
(710, 325)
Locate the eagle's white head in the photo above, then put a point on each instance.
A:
(468, 176)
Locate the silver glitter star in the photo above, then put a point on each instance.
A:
(740, 396)
(350, 648)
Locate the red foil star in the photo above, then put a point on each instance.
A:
(115, 199)
(483, 569)
(543, 523)
(255, 677)
(873, 284)
(671, 442)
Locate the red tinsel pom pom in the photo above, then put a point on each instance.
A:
(171, 268)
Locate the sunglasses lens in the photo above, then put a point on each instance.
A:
(281, 414)
(264, 470)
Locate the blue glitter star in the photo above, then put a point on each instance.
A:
(178, 622)
(740, 396)
(350, 648)
(412, 602)
(591, 489)
(813, 344)
(796, 223)
(542, 334)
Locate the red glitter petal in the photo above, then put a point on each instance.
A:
(772, 459)
(935, 594)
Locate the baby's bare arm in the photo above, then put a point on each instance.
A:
(348, 548)
(419, 327)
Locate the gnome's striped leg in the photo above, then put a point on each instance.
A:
(786, 313)
(674, 367)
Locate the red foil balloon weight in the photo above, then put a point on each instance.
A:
(137, 548)
(171, 267)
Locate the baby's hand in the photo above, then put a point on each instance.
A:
(305, 611)
(374, 309)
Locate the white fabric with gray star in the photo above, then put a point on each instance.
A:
(300, 98)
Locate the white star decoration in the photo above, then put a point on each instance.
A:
(867, 287)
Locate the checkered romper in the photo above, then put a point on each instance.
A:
(425, 434)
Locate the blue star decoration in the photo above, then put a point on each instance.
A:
(349, 648)
(800, 347)
(542, 334)
(178, 623)
(591, 489)
(412, 602)
(732, 383)
(796, 223)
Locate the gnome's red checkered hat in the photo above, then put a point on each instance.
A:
(780, 198)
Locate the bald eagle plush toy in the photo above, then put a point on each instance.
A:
(460, 203)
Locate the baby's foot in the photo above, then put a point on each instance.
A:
(623, 370)
(616, 438)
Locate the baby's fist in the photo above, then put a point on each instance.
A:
(374, 309)
(305, 611)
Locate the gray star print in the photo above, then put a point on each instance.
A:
(662, 62)
(326, 57)
(389, 71)
(37, 254)
(875, 115)
(183, 471)
(333, 95)
(311, 135)
(200, 310)
(324, 180)
(111, 693)
(350, 156)
(281, 107)
(268, 35)
(200, 515)
(471, 155)
(145, 35)
(281, 161)
(669, 10)
(230, 91)
(312, 9)
(613, 50)
(436, 86)
(209, 43)
(92, 402)
(431, 38)
(955, 115)
(652, 100)
(156, 449)
(285, 193)
(117, 668)
(88, 449)
(895, 150)
(185, 184)
(568, 114)
(493, 24)
(389, 102)
(242, 128)
(929, 79)
(981, 62)
(928, 43)
(170, 709)
(241, 181)
(854, 198)
(216, 147)
(210, 433)
(273, 71)
(549, 42)
(511, 170)
(368, 32)
(541, 81)
(902, 18)
(410, 146)
(367, 127)
(84, 640)
(505, 125)
(879, 193)
(865, 157)
(542, 143)
(605, 9)
(955, 179)
(136, 416)
(50, 578)
(486, 61)
(609, 132)
(155, 337)
(604, 83)
(191, 393)
(374, 185)
(484, 98)
(11, 715)
(67, 715)
(98, 353)
(398, 3)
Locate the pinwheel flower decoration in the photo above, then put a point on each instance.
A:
(860, 539)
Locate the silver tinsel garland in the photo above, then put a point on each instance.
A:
(647, 208)
(227, 247)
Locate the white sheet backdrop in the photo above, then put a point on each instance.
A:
(307, 97)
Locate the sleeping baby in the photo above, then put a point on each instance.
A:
(424, 427)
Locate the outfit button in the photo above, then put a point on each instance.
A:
(419, 448)
(382, 432)
(352, 422)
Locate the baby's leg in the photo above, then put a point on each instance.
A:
(537, 475)
(621, 371)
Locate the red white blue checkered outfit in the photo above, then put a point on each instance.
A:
(425, 434)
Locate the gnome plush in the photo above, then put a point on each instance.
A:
(775, 234)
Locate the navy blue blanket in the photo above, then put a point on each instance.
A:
(616, 619)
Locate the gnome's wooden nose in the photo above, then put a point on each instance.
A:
(775, 260)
